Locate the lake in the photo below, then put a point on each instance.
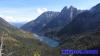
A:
(50, 42)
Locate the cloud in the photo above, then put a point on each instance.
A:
(7, 18)
(18, 15)
(41, 10)
(16, 19)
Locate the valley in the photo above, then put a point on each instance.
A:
(51, 32)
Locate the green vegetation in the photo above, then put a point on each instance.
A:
(20, 43)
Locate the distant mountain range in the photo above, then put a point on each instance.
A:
(17, 24)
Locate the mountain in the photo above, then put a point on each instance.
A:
(65, 17)
(96, 8)
(84, 21)
(40, 22)
(4, 23)
(50, 21)
(88, 20)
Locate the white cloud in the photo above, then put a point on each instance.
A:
(41, 10)
(7, 18)
(18, 15)
(15, 19)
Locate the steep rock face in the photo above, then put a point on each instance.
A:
(65, 17)
(40, 22)
(84, 22)
(95, 9)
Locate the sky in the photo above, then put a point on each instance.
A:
(27, 10)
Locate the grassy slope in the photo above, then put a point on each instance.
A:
(21, 43)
